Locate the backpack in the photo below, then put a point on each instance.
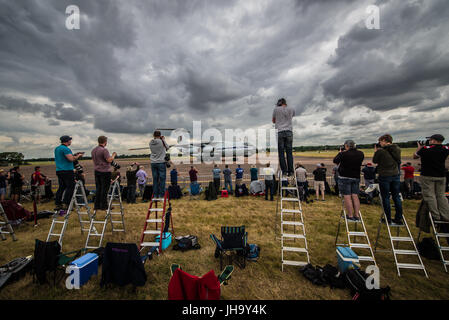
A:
(211, 193)
(428, 249)
(174, 192)
(252, 252)
(356, 282)
(45, 259)
(314, 275)
(186, 243)
(333, 277)
(241, 191)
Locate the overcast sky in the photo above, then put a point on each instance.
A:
(136, 65)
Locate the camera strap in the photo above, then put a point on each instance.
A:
(396, 160)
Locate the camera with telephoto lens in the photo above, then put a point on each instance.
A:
(167, 160)
(424, 142)
(115, 165)
(378, 146)
(78, 167)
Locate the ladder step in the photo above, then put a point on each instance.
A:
(154, 220)
(410, 266)
(359, 245)
(366, 258)
(116, 221)
(290, 199)
(55, 234)
(411, 252)
(354, 233)
(116, 213)
(149, 244)
(443, 235)
(119, 230)
(289, 188)
(444, 248)
(292, 249)
(297, 236)
(99, 222)
(83, 213)
(156, 209)
(152, 232)
(401, 239)
(440, 222)
(295, 263)
(59, 222)
(157, 199)
(290, 211)
(95, 234)
(292, 223)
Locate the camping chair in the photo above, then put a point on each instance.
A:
(194, 190)
(223, 278)
(233, 242)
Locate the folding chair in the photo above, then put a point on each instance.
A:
(233, 243)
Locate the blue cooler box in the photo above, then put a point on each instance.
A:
(166, 240)
(88, 266)
(347, 259)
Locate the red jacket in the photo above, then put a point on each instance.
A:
(408, 172)
(183, 286)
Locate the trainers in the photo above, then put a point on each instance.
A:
(398, 222)
(383, 221)
(349, 218)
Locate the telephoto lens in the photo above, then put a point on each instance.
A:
(115, 165)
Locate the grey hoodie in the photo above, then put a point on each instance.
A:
(158, 151)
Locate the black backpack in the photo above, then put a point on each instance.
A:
(185, 243)
(45, 259)
(333, 277)
(314, 275)
(356, 282)
(211, 193)
(428, 249)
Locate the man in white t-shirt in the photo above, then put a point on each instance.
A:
(268, 173)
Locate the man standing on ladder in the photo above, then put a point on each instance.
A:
(102, 166)
(64, 159)
(387, 156)
(350, 160)
(158, 148)
(432, 178)
(282, 118)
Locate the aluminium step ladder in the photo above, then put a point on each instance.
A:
(5, 225)
(407, 239)
(114, 201)
(61, 218)
(292, 226)
(354, 234)
(153, 220)
(438, 235)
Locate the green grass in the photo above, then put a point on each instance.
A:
(405, 153)
(259, 280)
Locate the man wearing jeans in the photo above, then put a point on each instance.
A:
(432, 178)
(350, 160)
(102, 169)
(282, 118)
(388, 158)
(268, 173)
(158, 149)
(227, 179)
(64, 159)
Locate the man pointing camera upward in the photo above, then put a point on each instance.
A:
(102, 165)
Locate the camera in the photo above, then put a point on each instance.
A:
(424, 142)
(115, 165)
(78, 167)
(167, 160)
(378, 146)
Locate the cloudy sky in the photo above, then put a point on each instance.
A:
(136, 65)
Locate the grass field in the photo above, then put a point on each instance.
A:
(259, 280)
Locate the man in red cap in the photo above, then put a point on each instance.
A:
(432, 178)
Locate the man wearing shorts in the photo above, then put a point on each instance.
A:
(319, 175)
(350, 160)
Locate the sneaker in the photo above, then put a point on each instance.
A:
(356, 218)
(349, 218)
(383, 221)
(323, 200)
(398, 222)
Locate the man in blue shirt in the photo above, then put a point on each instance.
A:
(64, 159)
(254, 172)
(216, 174)
(238, 176)
(227, 178)
(174, 176)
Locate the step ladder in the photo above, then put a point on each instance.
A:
(437, 236)
(5, 225)
(354, 235)
(291, 224)
(94, 238)
(155, 222)
(78, 203)
(407, 239)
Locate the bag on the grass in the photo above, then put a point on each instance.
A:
(314, 275)
(428, 249)
(333, 277)
(356, 282)
(185, 243)
(253, 252)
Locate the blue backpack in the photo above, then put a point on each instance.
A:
(253, 252)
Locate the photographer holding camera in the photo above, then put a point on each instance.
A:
(158, 159)
(64, 160)
(433, 181)
(387, 156)
(282, 118)
(102, 165)
(350, 160)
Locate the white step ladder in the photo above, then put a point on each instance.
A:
(5, 226)
(114, 201)
(437, 236)
(80, 204)
(406, 239)
(353, 236)
(291, 224)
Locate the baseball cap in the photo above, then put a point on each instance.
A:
(437, 137)
(65, 139)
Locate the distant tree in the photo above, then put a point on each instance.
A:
(11, 157)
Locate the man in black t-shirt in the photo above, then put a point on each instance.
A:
(16, 181)
(432, 179)
(319, 175)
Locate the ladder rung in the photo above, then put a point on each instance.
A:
(116, 213)
(359, 245)
(295, 249)
(115, 204)
(91, 247)
(152, 232)
(83, 213)
(413, 252)
(443, 235)
(149, 244)
(55, 234)
(154, 220)
(440, 222)
(292, 223)
(99, 222)
(290, 211)
(444, 248)
(401, 239)
(294, 263)
(366, 258)
(157, 199)
(357, 233)
(95, 234)
(289, 188)
(410, 266)
(117, 222)
(157, 209)
(288, 235)
(119, 230)
(290, 199)
(59, 222)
